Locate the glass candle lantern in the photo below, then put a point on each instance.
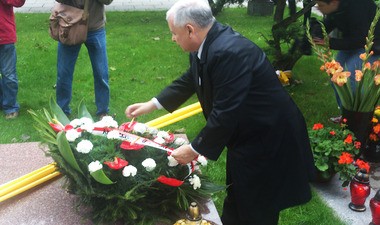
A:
(374, 205)
(360, 190)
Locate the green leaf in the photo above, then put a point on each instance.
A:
(66, 152)
(101, 177)
(57, 112)
(82, 111)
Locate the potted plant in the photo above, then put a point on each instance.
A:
(335, 150)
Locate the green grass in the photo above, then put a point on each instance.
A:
(143, 60)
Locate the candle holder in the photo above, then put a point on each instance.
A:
(374, 205)
(193, 217)
(360, 190)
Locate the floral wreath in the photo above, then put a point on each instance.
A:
(123, 173)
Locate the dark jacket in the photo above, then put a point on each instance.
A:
(249, 112)
(352, 20)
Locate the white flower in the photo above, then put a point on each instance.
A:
(94, 166)
(149, 164)
(84, 146)
(172, 161)
(159, 140)
(163, 134)
(195, 181)
(202, 160)
(129, 171)
(152, 130)
(113, 134)
(108, 121)
(86, 121)
(140, 128)
(180, 141)
(72, 135)
(75, 123)
(88, 127)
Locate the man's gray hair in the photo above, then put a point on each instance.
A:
(197, 12)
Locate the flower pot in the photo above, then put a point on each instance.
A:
(372, 152)
(324, 176)
(359, 123)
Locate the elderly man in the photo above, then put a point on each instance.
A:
(269, 161)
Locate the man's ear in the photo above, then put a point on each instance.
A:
(190, 28)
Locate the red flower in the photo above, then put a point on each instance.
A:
(348, 139)
(345, 158)
(59, 127)
(362, 165)
(317, 126)
(170, 139)
(332, 133)
(128, 126)
(117, 164)
(126, 145)
(169, 181)
(357, 144)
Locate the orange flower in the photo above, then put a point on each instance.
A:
(374, 119)
(358, 75)
(362, 165)
(367, 66)
(376, 129)
(345, 158)
(332, 67)
(373, 137)
(363, 56)
(348, 139)
(317, 126)
(340, 78)
(375, 65)
(377, 79)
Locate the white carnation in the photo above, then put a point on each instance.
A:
(108, 121)
(149, 164)
(75, 123)
(152, 130)
(159, 140)
(140, 128)
(129, 171)
(94, 166)
(84, 146)
(163, 134)
(86, 121)
(195, 181)
(180, 141)
(89, 127)
(202, 160)
(172, 161)
(113, 134)
(72, 135)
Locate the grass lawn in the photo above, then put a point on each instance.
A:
(143, 60)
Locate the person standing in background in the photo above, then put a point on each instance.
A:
(96, 46)
(350, 20)
(8, 58)
(247, 110)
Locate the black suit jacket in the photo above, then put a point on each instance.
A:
(249, 112)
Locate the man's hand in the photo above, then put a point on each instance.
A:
(184, 154)
(139, 109)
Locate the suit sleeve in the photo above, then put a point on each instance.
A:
(231, 73)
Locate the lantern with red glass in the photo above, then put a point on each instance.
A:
(360, 190)
(374, 204)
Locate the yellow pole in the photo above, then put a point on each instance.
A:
(28, 186)
(169, 116)
(26, 179)
(178, 118)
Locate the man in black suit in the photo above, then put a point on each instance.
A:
(269, 160)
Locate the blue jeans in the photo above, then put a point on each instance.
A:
(9, 81)
(66, 59)
(350, 61)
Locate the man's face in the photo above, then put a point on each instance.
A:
(181, 35)
(327, 8)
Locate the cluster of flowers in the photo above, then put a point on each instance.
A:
(334, 151)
